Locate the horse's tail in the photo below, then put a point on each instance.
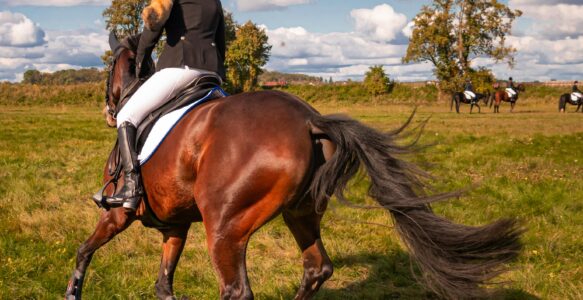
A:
(455, 260)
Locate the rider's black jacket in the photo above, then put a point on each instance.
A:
(195, 31)
(576, 89)
(469, 87)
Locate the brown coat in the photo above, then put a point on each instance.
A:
(195, 31)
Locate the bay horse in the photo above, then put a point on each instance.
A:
(459, 97)
(566, 98)
(236, 163)
(502, 95)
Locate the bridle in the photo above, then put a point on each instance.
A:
(126, 91)
(112, 112)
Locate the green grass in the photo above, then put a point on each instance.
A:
(525, 164)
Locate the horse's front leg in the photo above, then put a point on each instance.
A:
(174, 240)
(512, 106)
(110, 224)
(479, 108)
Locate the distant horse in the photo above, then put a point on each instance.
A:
(460, 97)
(566, 98)
(237, 162)
(502, 95)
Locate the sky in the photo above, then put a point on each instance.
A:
(325, 38)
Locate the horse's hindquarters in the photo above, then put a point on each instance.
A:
(232, 153)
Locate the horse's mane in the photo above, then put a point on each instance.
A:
(131, 43)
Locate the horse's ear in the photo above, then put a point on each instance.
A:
(113, 41)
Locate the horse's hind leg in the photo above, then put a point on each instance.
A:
(110, 224)
(174, 240)
(228, 231)
(317, 265)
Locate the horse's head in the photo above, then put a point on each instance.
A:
(122, 75)
(521, 87)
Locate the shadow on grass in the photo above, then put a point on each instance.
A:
(387, 277)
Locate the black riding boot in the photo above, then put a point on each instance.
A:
(132, 191)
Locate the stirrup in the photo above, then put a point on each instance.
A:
(104, 201)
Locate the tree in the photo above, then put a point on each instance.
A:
(376, 81)
(124, 17)
(451, 33)
(230, 28)
(32, 77)
(245, 57)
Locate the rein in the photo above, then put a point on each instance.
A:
(126, 91)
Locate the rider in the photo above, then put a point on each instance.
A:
(511, 89)
(195, 46)
(576, 92)
(469, 90)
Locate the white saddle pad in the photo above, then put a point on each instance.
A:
(469, 95)
(165, 124)
(576, 96)
(511, 93)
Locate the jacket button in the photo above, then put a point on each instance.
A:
(213, 44)
(182, 38)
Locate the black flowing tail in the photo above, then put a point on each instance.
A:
(455, 260)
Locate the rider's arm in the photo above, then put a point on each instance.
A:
(148, 42)
(220, 35)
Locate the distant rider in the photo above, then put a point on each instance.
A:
(469, 90)
(576, 92)
(511, 89)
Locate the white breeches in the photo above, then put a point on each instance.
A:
(470, 95)
(155, 92)
(511, 92)
(578, 95)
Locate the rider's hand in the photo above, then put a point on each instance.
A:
(139, 71)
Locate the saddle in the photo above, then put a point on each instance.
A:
(207, 87)
(204, 89)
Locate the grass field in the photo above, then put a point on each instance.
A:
(526, 164)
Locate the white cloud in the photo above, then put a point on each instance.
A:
(408, 30)
(552, 19)
(16, 30)
(54, 2)
(333, 54)
(62, 50)
(381, 23)
(538, 2)
(255, 5)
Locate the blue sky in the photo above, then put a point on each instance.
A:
(328, 38)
